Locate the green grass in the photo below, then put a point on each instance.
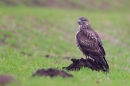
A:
(72, 4)
(42, 31)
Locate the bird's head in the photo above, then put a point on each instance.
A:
(82, 21)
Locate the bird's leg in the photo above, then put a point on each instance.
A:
(91, 58)
(87, 57)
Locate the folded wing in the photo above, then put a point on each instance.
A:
(90, 44)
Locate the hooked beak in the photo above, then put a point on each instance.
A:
(79, 22)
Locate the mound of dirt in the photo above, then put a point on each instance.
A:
(49, 56)
(51, 72)
(79, 63)
(5, 79)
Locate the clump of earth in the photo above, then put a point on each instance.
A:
(6, 79)
(51, 72)
(77, 64)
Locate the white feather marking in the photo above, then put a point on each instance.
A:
(91, 58)
(78, 31)
(87, 23)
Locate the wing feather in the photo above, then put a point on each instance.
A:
(89, 44)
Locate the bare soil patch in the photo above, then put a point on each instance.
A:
(5, 79)
(51, 72)
(77, 64)
(24, 53)
(2, 41)
(111, 39)
(48, 56)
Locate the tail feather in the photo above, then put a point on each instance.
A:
(103, 62)
(106, 64)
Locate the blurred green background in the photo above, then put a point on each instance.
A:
(72, 4)
(32, 29)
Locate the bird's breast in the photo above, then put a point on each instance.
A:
(77, 34)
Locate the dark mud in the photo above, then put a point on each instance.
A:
(51, 72)
(48, 56)
(24, 53)
(2, 41)
(77, 64)
(5, 79)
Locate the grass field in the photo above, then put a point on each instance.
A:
(28, 34)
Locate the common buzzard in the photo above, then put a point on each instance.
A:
(90, 43)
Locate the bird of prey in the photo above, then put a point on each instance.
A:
(90, 43)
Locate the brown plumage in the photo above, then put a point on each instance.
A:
(90, 43)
